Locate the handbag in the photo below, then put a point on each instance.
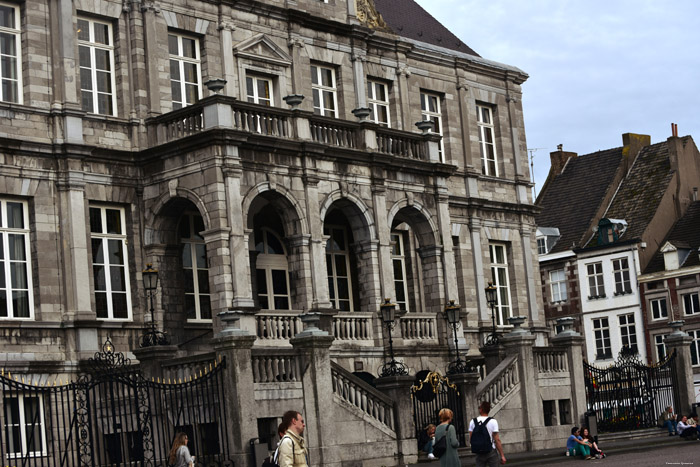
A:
(441, 445)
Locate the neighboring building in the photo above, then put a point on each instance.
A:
(603, 215)
(117, 151)
(670, 287)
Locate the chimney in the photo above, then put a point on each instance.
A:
(559, 159)
(633, 143)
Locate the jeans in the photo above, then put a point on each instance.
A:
(671, 425)
(492, 459)
(580, 450)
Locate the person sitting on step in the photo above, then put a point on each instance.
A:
(667, 419)
(577, 446)
(685, 430)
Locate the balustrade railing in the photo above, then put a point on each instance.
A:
(363, 396)
(352, 326)
(499, 382)
(282, 366)
(418, 326)
(258, 119)
(180, 369)
(180, 124)
(277, 325)
(401, 143)
(551, 361)
(334, 132)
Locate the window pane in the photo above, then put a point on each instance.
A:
(250, 90)
(86, 80)
(20, 303)
(19, 275)
(205, 306)
(314, 75)
(190, 310)
(274, 247)
(340, 266)
(317, 101)
(3, 303)
(83, 30)
(190, 70)
(198, 225)
(262, 281)
(15, 215)
(201, 251)
(101, 33)
(172, 45)
(327, 77)
(203, 280)
(187, 255)
(7, 17)
(86, 101)
(343, 289)
(263, 89)
(97, 254)
(98, 275)
(101, 304)
(281, 303)
(104, 104)
(9, 91)
(104, 82)
(398, 270)
(175, 70)
(189, 281)
(116, 253)
(16, 246)
(116, 278)
(102, 61)
(119, 308)
(189, 48)
(279, 282)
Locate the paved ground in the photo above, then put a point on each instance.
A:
(687, 453)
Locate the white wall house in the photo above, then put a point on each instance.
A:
(610, 304)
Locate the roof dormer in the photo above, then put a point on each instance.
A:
(675, 254)
(610, 230)
(546, 239)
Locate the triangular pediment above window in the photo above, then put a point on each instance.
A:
(668, 248)
(261, 48)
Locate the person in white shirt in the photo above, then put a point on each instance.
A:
(491, 459)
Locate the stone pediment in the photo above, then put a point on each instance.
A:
(261, 48)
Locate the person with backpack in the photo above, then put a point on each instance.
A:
(484, 438)
(292, 448)
(446, 430)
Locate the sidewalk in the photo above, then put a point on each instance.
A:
(612, 445)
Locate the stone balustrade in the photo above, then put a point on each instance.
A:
(277, 326)
(363, 396)
(418, 326)
(499, 383)
(280, 366)
(352, 327)
(181, 369)
(551, 361)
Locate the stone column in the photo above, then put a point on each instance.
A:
(520, 342)
(530, 278)
(313, 347)
(466, 385)
(358, 59)
(234, 345)
(226, 29)
(300, 65)
(386, 272)
(398, 389)
(680, 341)
(150, 12)
(445, 227)
(403, 122)
(462, 96)
(572, 343)
(67, 97)
(319, 282)
(219, 259)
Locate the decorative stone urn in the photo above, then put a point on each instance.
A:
(362, 113)
(215, 85)
(425, 126)
(294, 100)
(517, 321)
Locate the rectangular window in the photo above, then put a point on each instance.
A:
(338, 268)
(324, 90)
(621, 271)
(11, 65)
(185, 70)
(542, 246)
(430, 107)
(557, 281)
(499, 276)
(601, 332)
(259, 90)
(660, 347)
(628, 332)
(24, 425)
(690, 303)
(16, 299)
(398, 260)
(596, 289)
(695, 348)
(195, 268)
(96, 55)
(487, 140)
(658, 308)
(109, 263)
(378, 102)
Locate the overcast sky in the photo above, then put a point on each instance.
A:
(597, 69)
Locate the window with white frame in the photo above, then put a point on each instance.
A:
(430, 107)
(596, 287)
(96, 57)
(695, 347)
(628, 332)
(272, 271)
(185, 70)
(11, 64)
(378, 102)
(398, 260)
(338, 267)
(16, 299)
(499, 276)
(259, 90)
(691, 304)
(24, 425)
(621, 272)
(110, 269)
(324, 91)
(487, 140)
(542, 246)
(557, 283)
(660, 346)
(658, 308)
(195, 267)
(601, 332)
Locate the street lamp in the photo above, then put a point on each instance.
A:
(491, 290)
(452, 316)
(152, 336)
(392, 367)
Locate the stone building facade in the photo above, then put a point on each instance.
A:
(121, 146)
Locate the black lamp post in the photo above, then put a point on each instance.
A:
(392, 367)
(452, 316)
(152, 336)
(491, 290)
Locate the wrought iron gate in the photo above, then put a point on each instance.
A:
(629, 395)
(432, 393)
(112, 416)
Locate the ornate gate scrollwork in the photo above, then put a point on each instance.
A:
(432, 392)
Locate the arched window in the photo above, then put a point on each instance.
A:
(338, 265)
(272, 271)
(195, 268)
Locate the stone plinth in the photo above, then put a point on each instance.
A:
(398, 388)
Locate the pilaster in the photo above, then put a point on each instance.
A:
(572, 342)
(398, 388)
(319, 278)
(679, 341)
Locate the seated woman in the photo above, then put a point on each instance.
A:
(426, 440)
(685, 430)
(577, 445)
(595, 450)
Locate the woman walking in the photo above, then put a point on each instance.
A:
(179, 454)
(445, 428)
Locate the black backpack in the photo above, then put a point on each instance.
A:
(481, 439)
(273, 460)
(440, 446)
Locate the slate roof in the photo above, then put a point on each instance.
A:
(408, 19)
(573, 197)
(641, 191)
(685, 231)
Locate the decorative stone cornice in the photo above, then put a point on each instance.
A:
(150, 6)
(512, 98)
(227, 25)
(296, 41)
(403, 70)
